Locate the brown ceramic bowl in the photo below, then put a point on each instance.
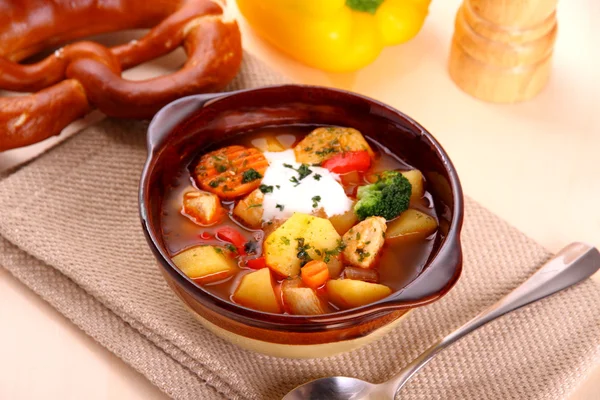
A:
(187, 125)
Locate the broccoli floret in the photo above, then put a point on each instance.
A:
(386, 198)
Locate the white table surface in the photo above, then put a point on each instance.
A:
(535, 164)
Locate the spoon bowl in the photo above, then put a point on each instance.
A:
(335, 388)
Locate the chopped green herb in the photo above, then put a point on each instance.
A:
(254, 206)
(308, 148)
(304, 171)
(317, 177)
(362, 254)
(280, 206)
(227, 189)
(231, 248)
(316, 200)
(325, 151)
(218, 250)
(302, 254)
(357, 235)
(216, 182)
(278, 187)
(266, 189)
(250, 175)
(335, 251)
(285, 240)
(220, 168)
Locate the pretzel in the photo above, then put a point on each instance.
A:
(83, 75)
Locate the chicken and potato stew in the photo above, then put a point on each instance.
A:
(299, 220)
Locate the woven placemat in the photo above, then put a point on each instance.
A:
(69, 229)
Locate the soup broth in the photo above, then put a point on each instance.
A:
(400, 259)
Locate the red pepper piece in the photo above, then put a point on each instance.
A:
(234, 237)
(348, 161)
(256, 263)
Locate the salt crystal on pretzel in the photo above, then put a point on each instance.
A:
(85, 75)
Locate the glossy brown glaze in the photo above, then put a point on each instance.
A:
(93, 72)
(187, 125)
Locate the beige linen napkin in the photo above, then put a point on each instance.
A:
(69, 230)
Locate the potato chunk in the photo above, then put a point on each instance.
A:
(412, 223)
(256, 291)
(202, 207)
(206, 264)
(300, 232)
(348, 293)
(335, 266)
(270, 143)
(303, 301)
(250, 209)
(322, 143)
(343, 222)
(415, 177)
(363, 242)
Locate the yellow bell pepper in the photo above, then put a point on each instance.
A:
(335, 35)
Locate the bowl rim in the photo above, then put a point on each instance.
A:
(339, 319)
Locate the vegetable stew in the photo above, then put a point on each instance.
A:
(299, 220)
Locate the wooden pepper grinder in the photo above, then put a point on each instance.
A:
(502, 49)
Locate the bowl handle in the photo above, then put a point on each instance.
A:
(437, 278)
(173, 114)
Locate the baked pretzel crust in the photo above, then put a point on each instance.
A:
(85, 75)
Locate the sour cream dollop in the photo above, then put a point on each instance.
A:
(290, 194)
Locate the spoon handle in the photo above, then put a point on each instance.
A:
(569, 266)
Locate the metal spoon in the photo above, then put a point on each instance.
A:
(571, 265)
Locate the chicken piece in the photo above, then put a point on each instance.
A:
(250, 209)
(363, 242)
(203, 208)
(323, 143)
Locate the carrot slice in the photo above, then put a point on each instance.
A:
(314, 274)
(231, 171)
